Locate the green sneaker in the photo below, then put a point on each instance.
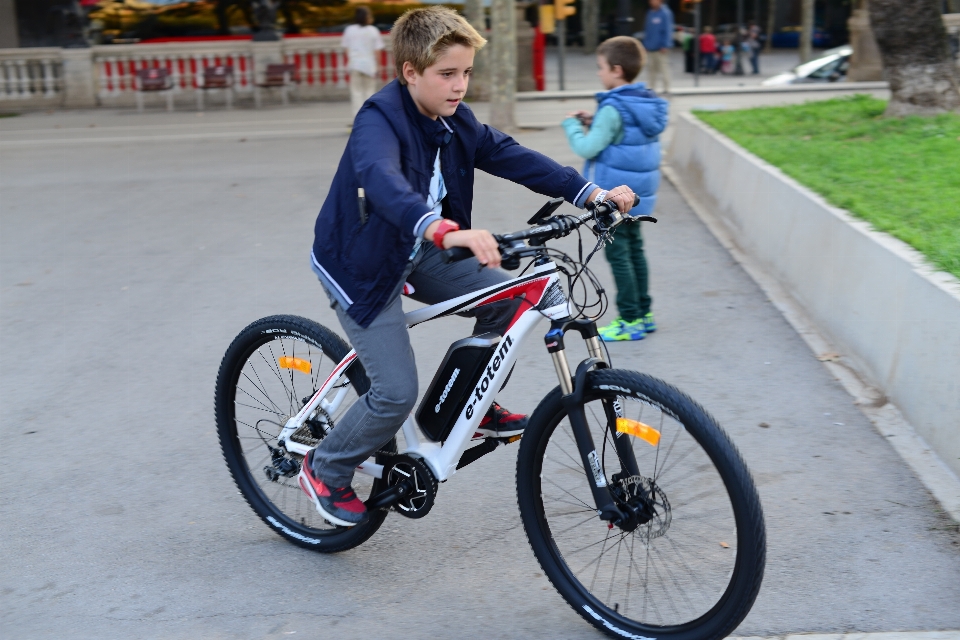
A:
(649, 324)
(613, 326)
(620, 330)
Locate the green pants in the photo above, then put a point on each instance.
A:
(629, 266)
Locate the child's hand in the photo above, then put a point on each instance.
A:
(480, 241)
(584, 117)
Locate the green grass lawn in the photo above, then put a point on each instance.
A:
(901, 175)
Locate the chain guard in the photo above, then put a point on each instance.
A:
(421, 481)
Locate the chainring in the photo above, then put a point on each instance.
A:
(419, 501)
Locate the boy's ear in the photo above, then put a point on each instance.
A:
(409, 73)
(618, 70)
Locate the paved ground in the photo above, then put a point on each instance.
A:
(132, 252)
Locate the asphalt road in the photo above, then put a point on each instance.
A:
(130, 257)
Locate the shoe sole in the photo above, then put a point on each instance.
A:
(627, 339)
(490, 433)
(307, 489)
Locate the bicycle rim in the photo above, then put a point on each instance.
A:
(676, 573)
(275, 375)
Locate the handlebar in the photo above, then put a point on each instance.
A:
(605, 215)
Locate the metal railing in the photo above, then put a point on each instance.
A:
(321, 62)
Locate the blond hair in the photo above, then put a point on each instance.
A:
(421, 36)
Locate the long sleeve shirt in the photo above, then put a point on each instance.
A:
(606, 129)
(658, 29)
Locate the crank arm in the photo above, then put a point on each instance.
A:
(390, 496)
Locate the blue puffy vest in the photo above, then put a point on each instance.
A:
(635, 159)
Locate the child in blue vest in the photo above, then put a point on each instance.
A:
(622, 146)
(413, 151)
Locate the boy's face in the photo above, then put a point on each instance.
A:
(443, 84)
(610, 77)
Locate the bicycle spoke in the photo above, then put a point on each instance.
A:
(679, 571)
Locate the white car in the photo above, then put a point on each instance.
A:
(830, 67)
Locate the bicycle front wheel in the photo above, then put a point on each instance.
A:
(268, 374)
(690, 567)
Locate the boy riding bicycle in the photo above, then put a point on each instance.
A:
(402, 193)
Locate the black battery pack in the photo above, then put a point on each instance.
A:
(451, 386)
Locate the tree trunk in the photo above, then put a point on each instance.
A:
(480, 82)
(916, 57)
(806, 30)
(503, 65)
(591, 25)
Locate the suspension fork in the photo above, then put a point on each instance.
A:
(573, 389)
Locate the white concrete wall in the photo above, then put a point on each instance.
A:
(874, 297)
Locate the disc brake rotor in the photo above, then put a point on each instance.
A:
(643, 496)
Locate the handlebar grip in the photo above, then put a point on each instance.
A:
(608, 206)
(455, 254)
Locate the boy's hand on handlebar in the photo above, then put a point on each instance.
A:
(622, 196)
(479, 241)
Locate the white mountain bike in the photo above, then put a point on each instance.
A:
(637, 505)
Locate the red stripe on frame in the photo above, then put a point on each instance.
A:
(531, 291)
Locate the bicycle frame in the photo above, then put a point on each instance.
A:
(542, 297)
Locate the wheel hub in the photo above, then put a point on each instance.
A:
(644, 505)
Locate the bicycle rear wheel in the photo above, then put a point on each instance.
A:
(272, 368)
(693, 569)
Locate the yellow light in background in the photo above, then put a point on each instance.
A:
(563, 8)
(639, 430)
(547, 22)
(304, 366)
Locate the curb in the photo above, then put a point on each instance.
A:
(924, 460)
(838, 87)
(883, 635)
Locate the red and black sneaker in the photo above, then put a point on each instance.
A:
(500, 423)
(339, 506)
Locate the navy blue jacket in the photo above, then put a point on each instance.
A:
(390, 154)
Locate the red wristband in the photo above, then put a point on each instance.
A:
(445, 227)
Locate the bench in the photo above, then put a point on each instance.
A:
(219, 78)
(156, 80)
(278, 76)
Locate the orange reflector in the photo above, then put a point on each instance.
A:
(643, 431)
(286, 362)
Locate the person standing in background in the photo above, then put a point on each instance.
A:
(755, 40)
(622, 143)
(708, 50)
(658, 38)
(686, 42)
(362, 41)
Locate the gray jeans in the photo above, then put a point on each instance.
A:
(385, 352)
